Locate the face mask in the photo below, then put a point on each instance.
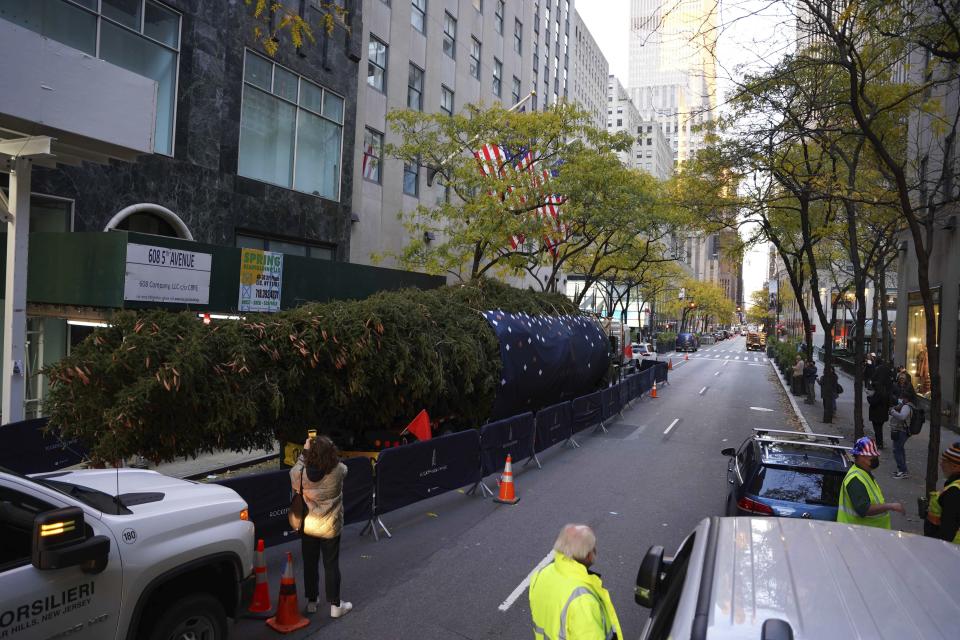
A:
(874, 463)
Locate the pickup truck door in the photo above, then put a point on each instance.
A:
(53, 603)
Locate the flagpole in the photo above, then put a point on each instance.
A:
(432, 172)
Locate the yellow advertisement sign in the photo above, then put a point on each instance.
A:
(261, 280)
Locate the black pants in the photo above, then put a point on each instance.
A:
(878, 430)
(313, 549)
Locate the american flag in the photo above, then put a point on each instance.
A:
(495, 160)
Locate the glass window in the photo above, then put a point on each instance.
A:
(418, 15)
(446, 100)
(126, 12)
(16, 526)
(918, 363)
(376, 63)
(449, 35)
(497, 77)
(411, 179)
(290, 130)
(288, 247)
(793, 485)
(161, 24)
(121, 32)
(498, 17)
(372, 155)
(516, 90)
(517, 36)
(135, 53)
(415, 88)
(475, 58)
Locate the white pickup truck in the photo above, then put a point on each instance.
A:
(122, 554)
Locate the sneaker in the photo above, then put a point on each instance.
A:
(900, 475)
(342, 610)
(312, 605)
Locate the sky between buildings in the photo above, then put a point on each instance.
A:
(753, 34)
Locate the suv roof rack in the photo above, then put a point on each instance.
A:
(833, 439)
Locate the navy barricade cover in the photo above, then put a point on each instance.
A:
(634, 384)
(268, 495)
(610, 402)
(268, 500)
(659, 367)
(426, 469)
(512, 436)
(545, 359)
(623, 391)
(646, 381)
(25, 448)
(553, 425)
(586, 411)
(647, 364)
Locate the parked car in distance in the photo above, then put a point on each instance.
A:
(640, 350)
(781, 578)
(786, 473)
(687, 342)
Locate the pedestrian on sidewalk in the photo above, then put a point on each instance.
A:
(868, 368)
(879, 411)
(903, 383)
(318, 476)
(797, 382)
(810, 380)
(943, 513)
(882, 377)
(900, 430)
(567, 600)
(861, 500)
(829, 380)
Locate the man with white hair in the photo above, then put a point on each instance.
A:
(567, 600)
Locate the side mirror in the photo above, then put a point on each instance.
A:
(60, 540)
(729, 452)
(648, 577)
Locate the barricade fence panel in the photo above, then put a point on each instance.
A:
(646, 380)
(268, 496)
(552, 425)
(513, 436)
(25, 448)
(587, 411)
(623, 391)
(634, 383)
(661, 370)
(415, 472)
(610, 402)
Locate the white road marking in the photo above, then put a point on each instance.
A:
(506, 604)
(702, 390)
(717, 356)
(717, 373)
(727, 357)
(672, 425)
(760, 409)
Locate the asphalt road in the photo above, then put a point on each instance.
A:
(456, 564)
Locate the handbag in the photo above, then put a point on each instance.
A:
(298, 508)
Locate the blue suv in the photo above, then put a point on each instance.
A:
(786, 473)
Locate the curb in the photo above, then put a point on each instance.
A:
(793, 402)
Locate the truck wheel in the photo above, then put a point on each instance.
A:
(196, 617)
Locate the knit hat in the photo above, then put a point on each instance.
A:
(865, 447)
(952, 455)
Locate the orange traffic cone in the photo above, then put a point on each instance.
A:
(670, 364)
(507, 494)
(653, 391)
(686, 356)
(288, 616)
(261, 593)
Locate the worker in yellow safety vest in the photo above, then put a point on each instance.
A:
(943, 513)
(566, 599)
(861, 500)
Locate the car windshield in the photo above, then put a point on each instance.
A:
(806, 486)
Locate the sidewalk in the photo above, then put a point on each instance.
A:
(905, 491)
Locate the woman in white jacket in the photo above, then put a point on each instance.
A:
(899, 432)
(319, 475)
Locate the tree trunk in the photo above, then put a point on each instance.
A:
(874, 316)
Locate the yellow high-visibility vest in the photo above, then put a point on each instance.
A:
(568, 603)
(845, 511)
(934, 511)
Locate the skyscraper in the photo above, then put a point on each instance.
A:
(672, 72)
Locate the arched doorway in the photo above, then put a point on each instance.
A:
(149, 218)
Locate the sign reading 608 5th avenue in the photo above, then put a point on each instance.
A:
(163, 274)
